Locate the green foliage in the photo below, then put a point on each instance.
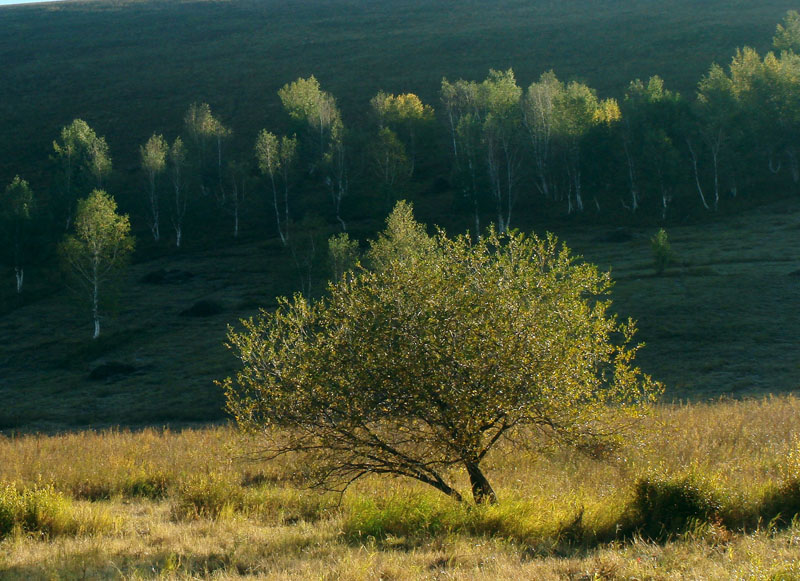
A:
(441, 351)
(84, 161)
(154, 154)
(661, 250)
(787, 34)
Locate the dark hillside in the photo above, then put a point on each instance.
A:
(131, 67)
(722, 320)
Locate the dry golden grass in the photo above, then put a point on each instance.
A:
(218, 516)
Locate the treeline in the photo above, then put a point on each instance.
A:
(554, 147)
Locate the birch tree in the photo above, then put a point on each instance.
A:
(153, 156)
(539, 114)
(275, 159)
(406, 115)
(390, 163)
(176, 157)
(651, 117)
(84, 161)
(577, 110)
(98, 250)
(716, 112)
(308, 104)
(16, 212)
(460, 102)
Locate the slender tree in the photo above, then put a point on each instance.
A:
(390, 163)
(309, 105)
(275, 159)
(539, 114)
(177, 163)
(405, 115)
(97, 251)
(16, 212)
(84, 161)
(153, 156)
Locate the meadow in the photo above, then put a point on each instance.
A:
(700, 491)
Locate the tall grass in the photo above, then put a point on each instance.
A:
(702, 487)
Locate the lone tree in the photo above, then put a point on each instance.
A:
(443, 349)
(100, 246)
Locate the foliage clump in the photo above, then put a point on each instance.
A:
(441, 350)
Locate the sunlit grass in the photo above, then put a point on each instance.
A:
(715, 484)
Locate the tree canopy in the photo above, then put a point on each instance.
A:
(442, 349)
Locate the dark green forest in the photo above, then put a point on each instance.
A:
(256, 130)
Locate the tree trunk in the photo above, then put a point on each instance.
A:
(697, 175)
(95, 305)
(481, 489)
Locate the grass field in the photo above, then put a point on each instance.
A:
(131, 67)
(723, 480)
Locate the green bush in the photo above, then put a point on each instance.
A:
(665, 505)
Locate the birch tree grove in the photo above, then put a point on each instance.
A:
(100, 247)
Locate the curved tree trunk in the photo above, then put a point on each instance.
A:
(482, 491)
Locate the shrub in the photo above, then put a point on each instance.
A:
(662, 251)
(664, 505)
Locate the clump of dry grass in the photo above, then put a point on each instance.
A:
(44, 512)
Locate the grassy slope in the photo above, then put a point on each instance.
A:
(132, 67)
(722, 321)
